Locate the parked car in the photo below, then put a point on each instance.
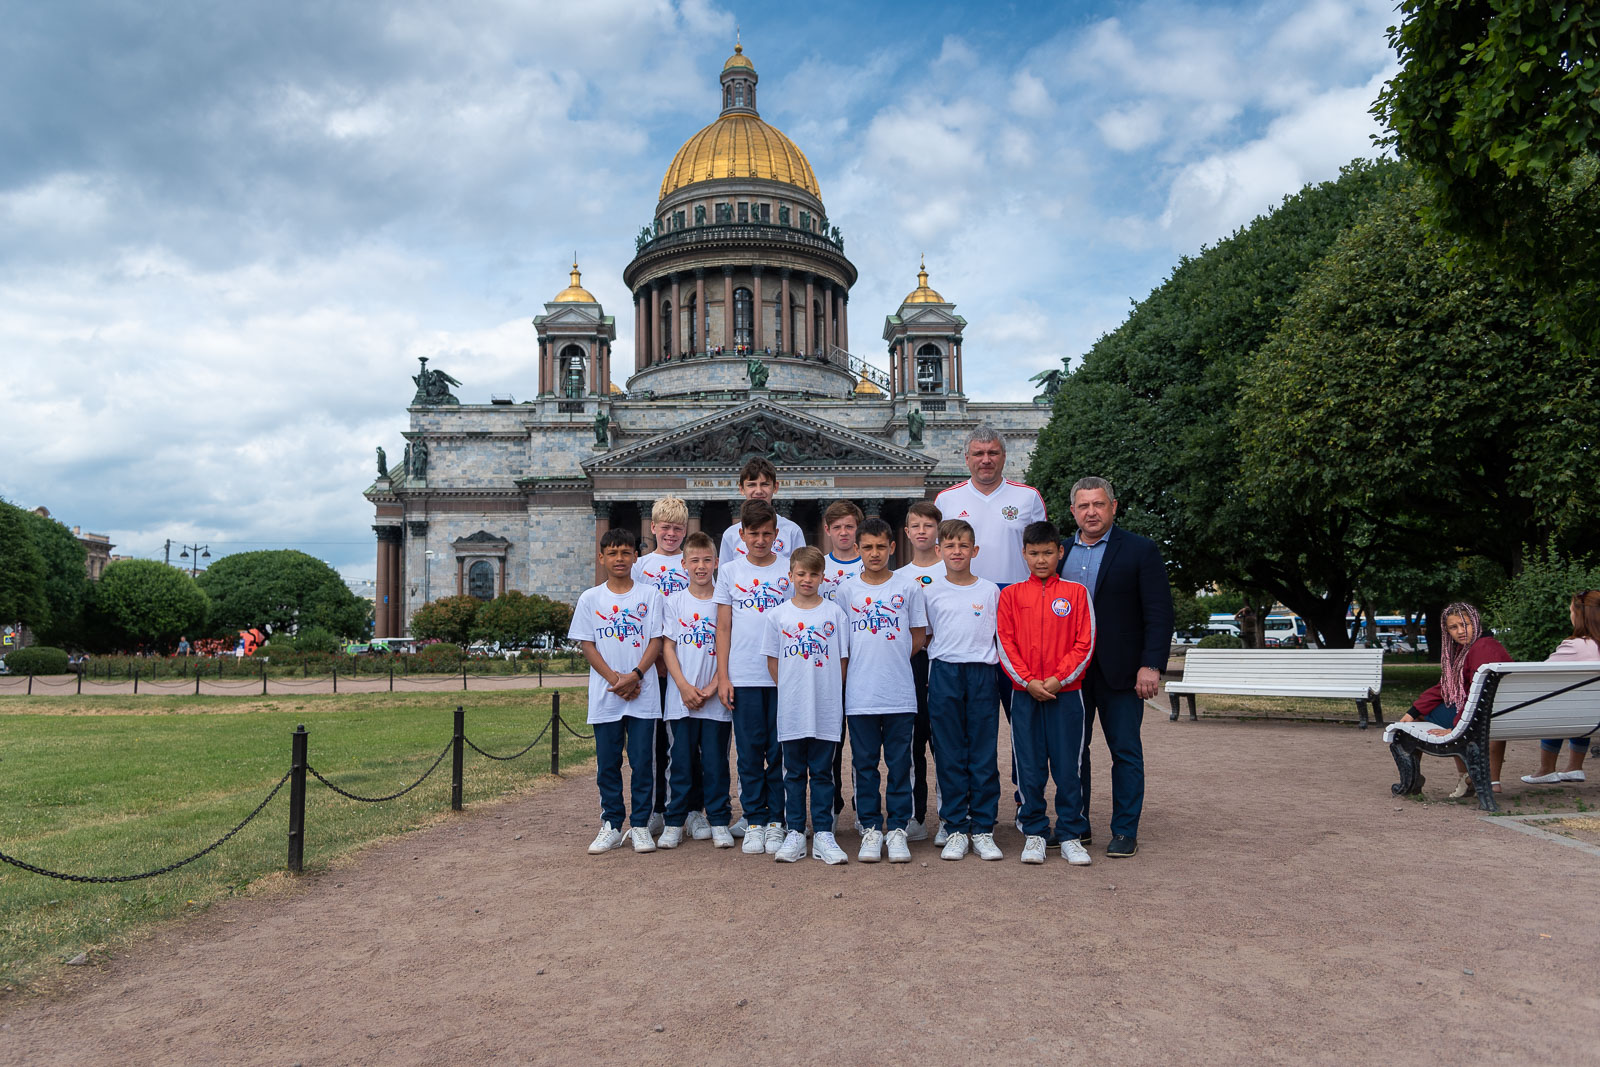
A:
(1193, 635)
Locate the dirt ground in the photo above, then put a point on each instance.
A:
(1283, 908)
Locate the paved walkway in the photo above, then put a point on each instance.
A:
(1283, 908)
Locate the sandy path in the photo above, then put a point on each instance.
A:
(1283, 908)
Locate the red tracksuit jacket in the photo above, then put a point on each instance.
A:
(1046, 630)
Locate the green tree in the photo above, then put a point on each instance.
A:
(1495, 105)
(446, 619)
(283, 589)
(66, 579)
(515, 620)
(22, 571)
(1530, 612)
(141, 602)
(1152, 409)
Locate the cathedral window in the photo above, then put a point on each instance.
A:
(816, 326)
(699, 214)
(744, 212)
(727, 96)
(766, 212)
(783, 214)
(930, 369)
(777, 333)
(480, 580)
(678, 220)
(666, 328)
(572, 372)
(743, 319)
(694, 337)
(724, 212)
(738, 94)
(805, 220)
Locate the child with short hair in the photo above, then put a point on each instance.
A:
(807, 645)
(699, 724)
(888, 625)
(662, 567)
(618, 624)
(1046, 631)
(839, 525)
(922, 533)
(748, 587)
(758, 480)
(963, 710)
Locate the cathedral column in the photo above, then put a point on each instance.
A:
(810, 321)
(702, 327)
(652, 326)
(675, 338)
(727, 306)
(397, 586)
(385, 592)
(827, 319)
(602, 525)
(872, 506)
(500, 586)
(844, 320)
(955, 357)
(461, 576)
(638, 331)
(695, 508)
(785, 314)
(758, 310)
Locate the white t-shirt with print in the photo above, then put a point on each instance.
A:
(691, 626)
(881, 618)
(810, 645)
(789, 538)
(835, 572)
(925, 576)
(751, 592)
(664, 572)
(997, 521)
(964, 620)
(620, 625)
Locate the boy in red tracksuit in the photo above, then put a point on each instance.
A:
(1046, 636)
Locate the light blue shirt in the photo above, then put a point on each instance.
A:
(1083, 561)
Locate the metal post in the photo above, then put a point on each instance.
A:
(555, 732)
(80, 683)
(455, 759)
(135, 683)
(336, 679)
(463, 676)
(196, 683)
(263, 677)
(297, 798)
(30, 686)
(391, 676)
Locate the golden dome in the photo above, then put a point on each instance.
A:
(575, 293)
(866, 388)
(738, 60)
(739, 146)
(922, 294)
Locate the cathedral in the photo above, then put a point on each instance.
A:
(741, 348)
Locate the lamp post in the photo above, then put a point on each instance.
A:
(200, 552)
(427, 575)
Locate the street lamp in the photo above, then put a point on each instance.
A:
(200, 552)
(427, 575)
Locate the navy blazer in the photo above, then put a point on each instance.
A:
(1132, 610)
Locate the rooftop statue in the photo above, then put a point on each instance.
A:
(758, 373)
(433, 387)
(383, 463)
(1050, 384)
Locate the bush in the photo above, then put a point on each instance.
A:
(316, 639)
(37, 659)
(1529, 614)
(1220, 641)
(438, 658)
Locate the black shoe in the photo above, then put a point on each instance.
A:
(1121, 847)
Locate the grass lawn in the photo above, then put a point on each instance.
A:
(1402, 684)
(118, 785)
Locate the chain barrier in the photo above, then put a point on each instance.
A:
(524, 752)
(574, 733)
(108, 879)
(392, 796)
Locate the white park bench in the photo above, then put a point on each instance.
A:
(1336, 673)
(1507, 702)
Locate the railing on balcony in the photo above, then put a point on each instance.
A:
(745, 231)
(856, 365)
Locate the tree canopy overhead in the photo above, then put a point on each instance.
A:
(282, 589)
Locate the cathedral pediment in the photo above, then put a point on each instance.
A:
(570, 315)
(790, 439)
(931, 315)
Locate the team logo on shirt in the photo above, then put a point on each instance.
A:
(1061, 606)
(777, 546)
(699, 631)
(977, 609)
(1009, 512)
(623, 623)
(668, 579)
(763, 594)
(925, 579)
(879, 616)
(810, 643)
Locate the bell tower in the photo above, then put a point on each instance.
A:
(924, 339)
(575, 336)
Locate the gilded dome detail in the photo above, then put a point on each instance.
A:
(922, 294)
(575, 293)
(739, 146)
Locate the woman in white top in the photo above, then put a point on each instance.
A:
(1583, 645)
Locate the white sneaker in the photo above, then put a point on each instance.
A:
(738, 828)
(955, 846)
(941, 836)
(1572, 776)
(657, 823)
(671, 837)
(642, 841)
(607, 839)
(899, 851)
(699, 829)
(720, 837)
(871, 847)
(755, 843)
(774, 837)
(792, 849)
(915, 831)
(1074, 853)
(1033, 849)
(825, 848)
(984, 846)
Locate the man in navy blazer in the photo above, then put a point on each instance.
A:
(1133, 618)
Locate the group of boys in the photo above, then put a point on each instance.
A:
(781, 648)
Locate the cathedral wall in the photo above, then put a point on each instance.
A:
(559, 548)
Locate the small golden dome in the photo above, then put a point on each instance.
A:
(922, 294)
(738, 61)
(575, 293)
(866, 388)
(616, 390)
(739, 146)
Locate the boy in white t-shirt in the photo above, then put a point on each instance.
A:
(748, 587)
(758, 480)
(619, 626)
(807, 644)
(963, 709)
(699, 723)
(922, 531)
(888, 625)
(662, 567)
(843, 562)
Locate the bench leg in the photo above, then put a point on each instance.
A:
(1477, 758)
(1377, 708)
(1410, 763)
(1174, 698)
(1192, 716)
(1361, 714)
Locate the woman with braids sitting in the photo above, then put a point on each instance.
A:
(1466, 648)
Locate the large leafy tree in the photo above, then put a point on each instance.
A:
(1152, 409)
(516, 620)
(449, 619)
(66, 580)
(283, 589)
(140, 602)
(22, 571)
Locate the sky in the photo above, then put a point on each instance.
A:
(227, 231)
